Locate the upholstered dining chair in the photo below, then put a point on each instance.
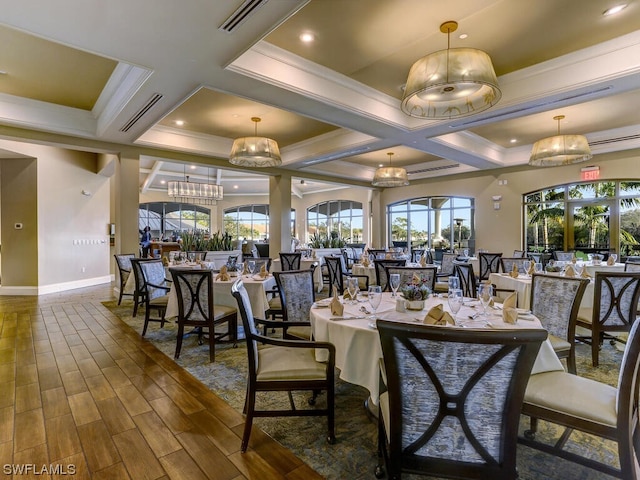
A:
(156, 288)
(197, 308)
(555, 300)
(377, 252)
(537, 257)
(337, 275)
(297, 295)
(445, 271)
(435, 417)
(283, 365)
(488, 263)
(139, 291)
(632, 266)
(427, 274)
(507, 263)
(614, 309)
(563, 256)
(275, 310)
(381, 275)
(123, 262)
(290, 261)
(519, 254)
(586, 405)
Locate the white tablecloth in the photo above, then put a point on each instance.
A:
(369, 271)
(358, 348)
(305, 263)
(222, 295)
(522, 285)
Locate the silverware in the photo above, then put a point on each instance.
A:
(363, 309)
(357, 317)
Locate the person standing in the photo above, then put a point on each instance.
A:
(145, 241)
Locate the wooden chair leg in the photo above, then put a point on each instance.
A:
(179, 341)
(212, 343)
(251, 403)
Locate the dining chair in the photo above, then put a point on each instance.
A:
(156, 288)
(197, 308)
(283, 365)
(427, 274)
(488, 263)
(123, 262)
(589, 406)
(519, 254)
(139, 292)
(290, 261)
(275, 310)
(435, 417)
(563, 256)
(542, 258)
(297, 295)
(507, 263)
(631, 266)
(467, 279)
(614, 309)
(445, 271)
(336, 275)
(262, 249)
(555, 301)
(377, 252)
(381, 275)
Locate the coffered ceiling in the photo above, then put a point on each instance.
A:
(126, 73)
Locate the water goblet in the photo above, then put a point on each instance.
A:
(454, 283)
(465, 252)
(251, 266)
(352, 288)
(537, 267)
(455, 301)
(614, 256)
(375, 296)
(485, 293)
(394, 283)
(526, 264)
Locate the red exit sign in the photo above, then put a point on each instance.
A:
(589, 173)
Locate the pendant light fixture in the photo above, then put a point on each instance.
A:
(451, 83)
(195, 193)
(560, 149)
(255, 151)
(390, 176)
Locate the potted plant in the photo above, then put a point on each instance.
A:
(415, 293)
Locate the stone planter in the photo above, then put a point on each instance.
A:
(414, 304)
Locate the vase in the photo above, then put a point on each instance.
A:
(415, 304)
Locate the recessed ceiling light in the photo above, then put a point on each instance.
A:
(614, 10)
(192, 167)
(4, 72)
(380, 165)
(235, 186)
(162, 182)
(463, 36)
(307, 37)
(179, 123)
(513, 140)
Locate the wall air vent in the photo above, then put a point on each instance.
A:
(155, 98)
(614, 140)
(433, 169)
(243, 12)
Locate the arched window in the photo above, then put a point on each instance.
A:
(251, 222)
(343, 218)
(433, 222)
(167, 218)
(584, 217)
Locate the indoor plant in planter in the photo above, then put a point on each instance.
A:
(415, 293)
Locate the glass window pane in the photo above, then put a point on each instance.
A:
(630, 226)
(630, 188)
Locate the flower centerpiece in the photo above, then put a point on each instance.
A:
(415, 293)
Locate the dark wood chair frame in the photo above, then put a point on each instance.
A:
(488, 263)
(139, 292)
(253, 338)
(290, 261)
(336, 274)
(149, 305)
(380, 266)
(467, 279)
(397, 458)
(124, 272)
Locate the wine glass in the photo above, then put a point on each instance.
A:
(375, 296)
(537, 267)
(465, 252)
(455, 301)
(251, 266)
(614, 256)
(394, 283)
(352, 288)
(526, 264)
(485, 293)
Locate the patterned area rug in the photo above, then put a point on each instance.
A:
(354, 454)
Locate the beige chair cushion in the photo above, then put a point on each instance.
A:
(573, 395)
(283, 363)
(275, 303)
(159, 301)
(559, 344)
(300, 332)
(384, 411)
(585, 314)
(442, 286)
(220, 311)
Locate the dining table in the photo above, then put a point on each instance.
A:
(358, 348)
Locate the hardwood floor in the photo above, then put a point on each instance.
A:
(82, 393)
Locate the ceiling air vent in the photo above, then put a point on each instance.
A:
(433, 169)
(614, 140)
(243, 12)
(155, 98)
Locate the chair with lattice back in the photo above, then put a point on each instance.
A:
(336, 275)
(435, 417)
(290, 261)
(156, 289)
(466, 279)
(380, 266)
(488, 263)
(123, 262)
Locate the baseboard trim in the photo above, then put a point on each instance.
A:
(54, 288)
